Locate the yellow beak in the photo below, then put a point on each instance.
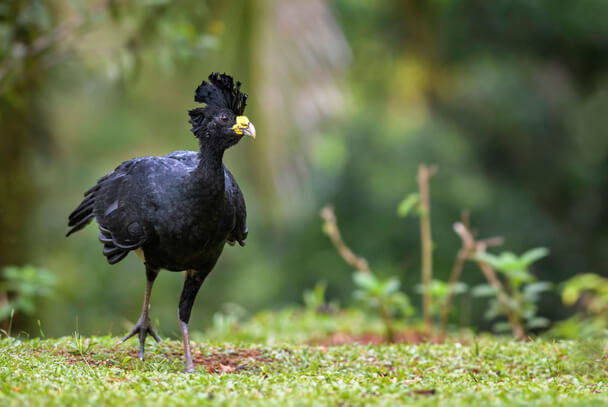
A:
(244, 126)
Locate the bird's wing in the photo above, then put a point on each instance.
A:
(234, 197)
(116, 204)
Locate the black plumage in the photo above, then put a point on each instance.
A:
(177, 211)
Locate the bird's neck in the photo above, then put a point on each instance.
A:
(210, 157)
(209, 174)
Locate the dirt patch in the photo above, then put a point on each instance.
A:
(213, 360)
(370, 338)
(90, 358)
(232, 361)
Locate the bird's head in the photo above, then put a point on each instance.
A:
(221, 122)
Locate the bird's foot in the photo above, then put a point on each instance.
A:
(142, 329)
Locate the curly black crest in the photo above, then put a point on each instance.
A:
(221, 91)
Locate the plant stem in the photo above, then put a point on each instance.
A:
(473, 247)
(388, 324)
(516, 326)
(424, 175)
(331, 229)
(358, 263)
(454, 277)
(461, 257)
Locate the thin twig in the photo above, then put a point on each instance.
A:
(462, 255)
(331, 229)
(424, 175)
(454, 277)
(472, 248)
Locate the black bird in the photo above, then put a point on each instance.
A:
(176, 212)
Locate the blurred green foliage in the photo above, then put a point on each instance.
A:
(315, 300)
(409, 202)
(589, 292)
(440, 291)
(508, 98)
(576, 287)
(383, 297)
(22, 287)
(523, 290)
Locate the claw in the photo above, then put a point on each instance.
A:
(156, 337)
(143, 329)
(133, 332)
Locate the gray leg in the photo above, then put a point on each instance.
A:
(187, 352)
(194, 280)
(143, 327)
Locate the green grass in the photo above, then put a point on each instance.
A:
(485, 371)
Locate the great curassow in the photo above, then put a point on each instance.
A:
(176, 212)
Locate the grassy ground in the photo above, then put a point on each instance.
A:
(272, 370)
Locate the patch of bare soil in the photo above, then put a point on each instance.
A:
(233, 361)
(370, 338)
(214, 361)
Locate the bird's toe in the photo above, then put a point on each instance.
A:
(154, 335)
(141, 329)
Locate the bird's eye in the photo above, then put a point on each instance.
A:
(224, 118)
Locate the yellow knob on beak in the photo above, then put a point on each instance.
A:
(244, 126)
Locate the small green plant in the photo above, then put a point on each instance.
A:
(315, 301)
(440, 292)
(227, 319)
(590, 292)
(20, 287)
(523, 291)
(382, 296)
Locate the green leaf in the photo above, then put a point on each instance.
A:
(509, 261)
(391, 285)
(492, 260)
(583, 282)
(459, 288)
(408, 203)
(533, 255)
(483, 290)
(364, 280)
(537, 287)
(502, 327)
(519, 275)
(359, 295)
(537, 322)
(315, 298)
